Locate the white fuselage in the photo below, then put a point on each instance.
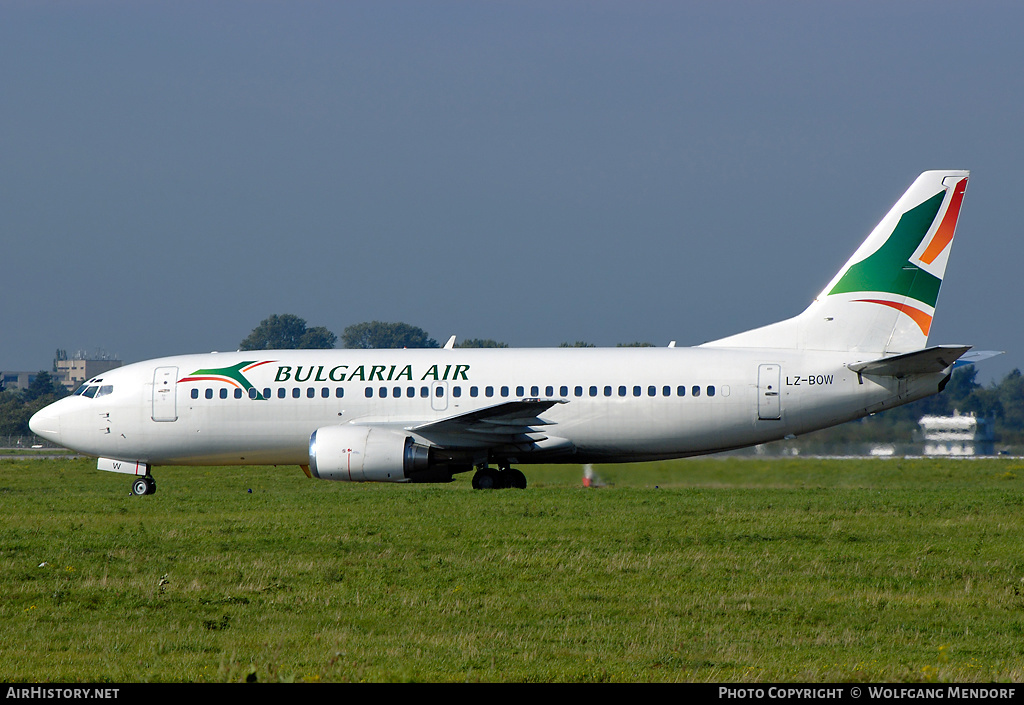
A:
(614, 404)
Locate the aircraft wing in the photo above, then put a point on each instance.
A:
(927, 361)
(510, 422)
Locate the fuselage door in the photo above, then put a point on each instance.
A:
(769, 397)
(165, 402)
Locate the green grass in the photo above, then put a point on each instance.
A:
(718, 570)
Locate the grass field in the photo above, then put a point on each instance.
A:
(719, 570)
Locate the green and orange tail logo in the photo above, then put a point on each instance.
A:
(905, 272)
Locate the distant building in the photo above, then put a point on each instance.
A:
(958, 435)
(75, 369)
(11, 379)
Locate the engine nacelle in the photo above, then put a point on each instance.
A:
(367, 454)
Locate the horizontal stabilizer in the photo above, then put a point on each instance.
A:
(920, 362)
(977, 356)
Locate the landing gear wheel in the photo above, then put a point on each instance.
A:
(491, 479)
(144, 485)
(485, 479)
(515, 478)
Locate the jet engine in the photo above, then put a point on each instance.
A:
(370, 454)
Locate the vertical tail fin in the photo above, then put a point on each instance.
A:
(883, 299)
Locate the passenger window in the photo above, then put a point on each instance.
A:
(711, 390)
(209, 393)
(368, 392)
(339, 392)
(396, 392)
(520, 391)
(253, 393)
(593, 391)
(383, 392)
(410, 392)
(281, 393)
(238, 393)
(622, 391)
(424, 392)
(637, 391)
(534, 391)
(666, 391)
(504, 391)
(578, 391)
(296, 393)
(488, 391)
(607, 391)
(695, 391)
(325, 393)
(439, 391)
(266, 392)
(223, 393)
(195, 393)
(681, 391)
(310, 392)
(473, 391)
(652, 391)
(456, 391)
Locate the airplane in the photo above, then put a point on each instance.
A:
(424, 415)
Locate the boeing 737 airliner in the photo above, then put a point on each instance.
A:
(423, 415)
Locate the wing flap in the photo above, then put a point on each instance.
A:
(508, 422)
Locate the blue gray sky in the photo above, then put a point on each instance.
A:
(171, 173)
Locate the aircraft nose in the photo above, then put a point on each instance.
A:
(46, 424)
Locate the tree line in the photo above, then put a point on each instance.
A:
(288, 331)
(18, 405)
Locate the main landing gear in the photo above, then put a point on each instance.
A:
(487, 478)
(144, 485)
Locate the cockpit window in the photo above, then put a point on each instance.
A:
(95, 390)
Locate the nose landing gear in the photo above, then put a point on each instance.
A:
(144, 485)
